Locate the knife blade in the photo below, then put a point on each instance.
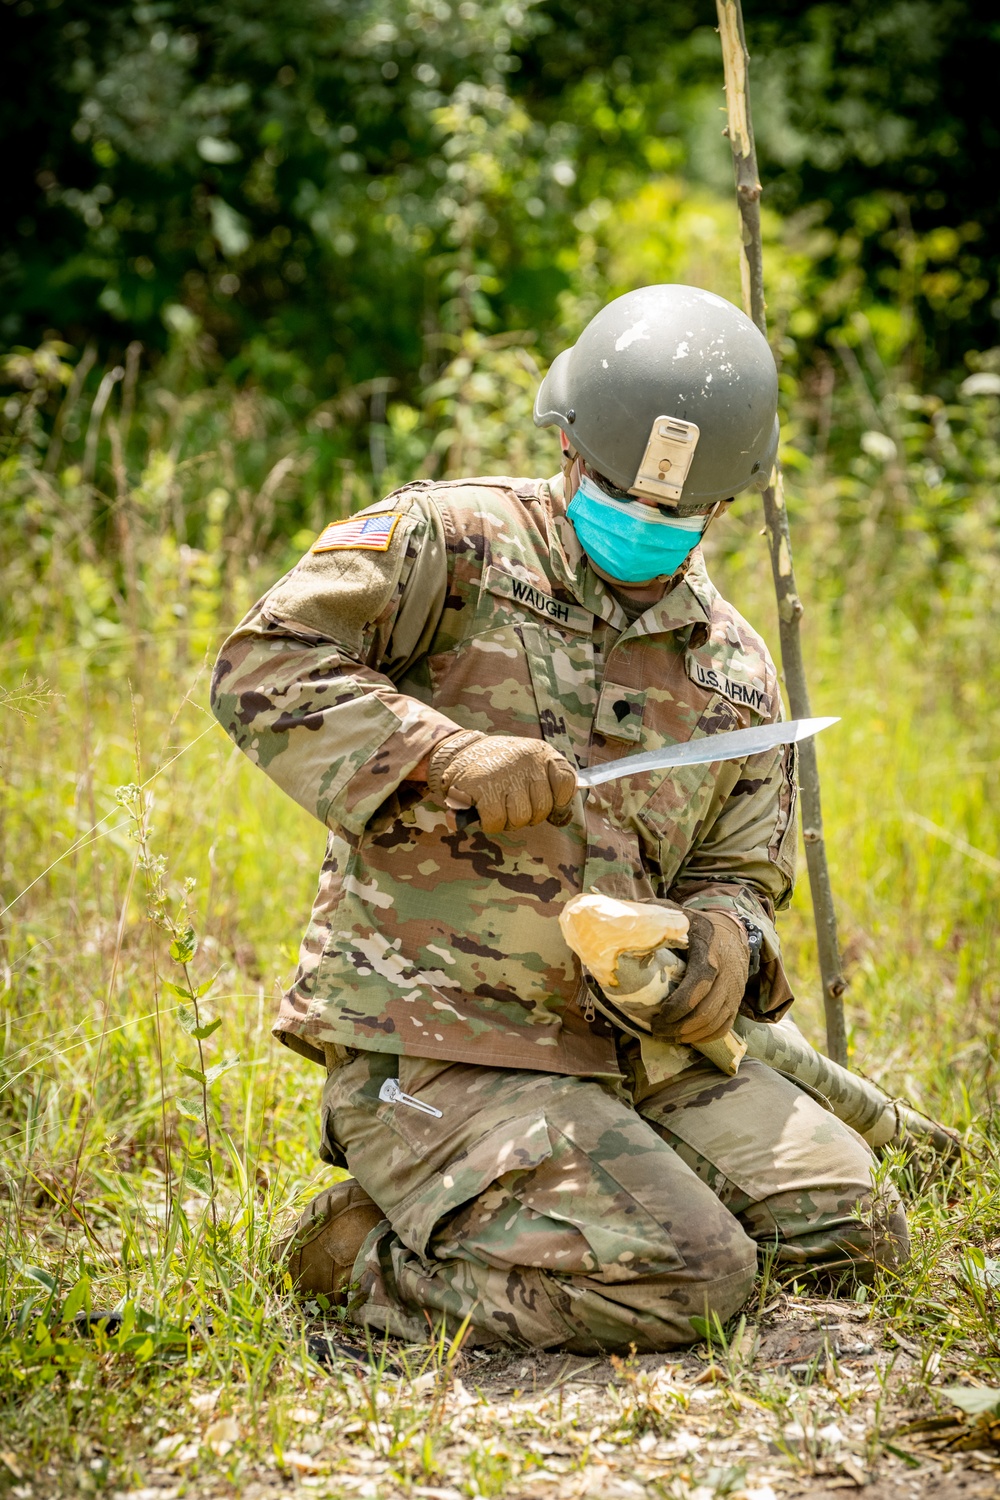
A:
(733, 745)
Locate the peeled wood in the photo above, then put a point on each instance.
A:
(608, 935)
(726, 1052)
(604, 933)
(599, 929)
(735, 61)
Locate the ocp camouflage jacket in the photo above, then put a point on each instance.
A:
(471, 605)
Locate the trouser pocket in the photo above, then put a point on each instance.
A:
(520, 1168)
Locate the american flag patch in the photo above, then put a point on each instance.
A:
(370, 533)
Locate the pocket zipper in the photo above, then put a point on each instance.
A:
(391, 1093)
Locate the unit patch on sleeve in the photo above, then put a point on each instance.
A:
(367, 533)
(714, 680)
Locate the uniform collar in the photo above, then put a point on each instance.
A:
(689, 602)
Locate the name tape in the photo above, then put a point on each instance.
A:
(570, 616)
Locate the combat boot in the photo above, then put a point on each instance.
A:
(320, 1251)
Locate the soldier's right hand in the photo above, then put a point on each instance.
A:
(512, 782)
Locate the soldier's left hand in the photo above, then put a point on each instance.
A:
(705, 1003)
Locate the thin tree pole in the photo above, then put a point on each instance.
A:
(736, 60)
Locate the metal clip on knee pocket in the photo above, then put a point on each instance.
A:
(391, 1093)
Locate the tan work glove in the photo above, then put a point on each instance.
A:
(708, 997)
(510, 781)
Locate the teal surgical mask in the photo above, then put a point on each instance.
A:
(629, 541)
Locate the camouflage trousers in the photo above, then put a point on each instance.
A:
(564, 1212)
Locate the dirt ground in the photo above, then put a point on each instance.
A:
(815, 1399)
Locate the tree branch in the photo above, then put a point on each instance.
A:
(735, 62)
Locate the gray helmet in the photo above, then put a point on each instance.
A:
(669, 392)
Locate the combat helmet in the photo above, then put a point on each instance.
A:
(671, 393)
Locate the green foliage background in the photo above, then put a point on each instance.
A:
(262, 261)
(296, 218)
(331, 186)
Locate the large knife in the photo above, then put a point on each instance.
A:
(735, 744)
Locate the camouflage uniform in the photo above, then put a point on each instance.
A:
(589, 1214)
(472, 606)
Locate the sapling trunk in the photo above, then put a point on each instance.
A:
(735, 59)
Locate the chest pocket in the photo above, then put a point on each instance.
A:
(485, 683)
(519, 679)
(672, 809)
(562, 676)
(685, 803)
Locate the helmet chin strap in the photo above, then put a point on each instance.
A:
(711, 517)
(572, 467)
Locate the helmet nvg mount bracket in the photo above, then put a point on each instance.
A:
(670, 393)
(667, 459)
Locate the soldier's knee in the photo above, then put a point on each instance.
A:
(853, 1238)
(716, 1280)
(721, 1296)
(659, 1312)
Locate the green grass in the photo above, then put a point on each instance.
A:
(105, 1174)
(911, 795)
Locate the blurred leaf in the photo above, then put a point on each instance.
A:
(189, 1020)
(77, 1299)
(217, 1071)
(975, 1401)
(982, 1269)
(230, 228)
(36, 1273)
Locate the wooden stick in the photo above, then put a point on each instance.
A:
(735, 61)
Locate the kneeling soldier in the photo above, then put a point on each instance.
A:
(515, 1158)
